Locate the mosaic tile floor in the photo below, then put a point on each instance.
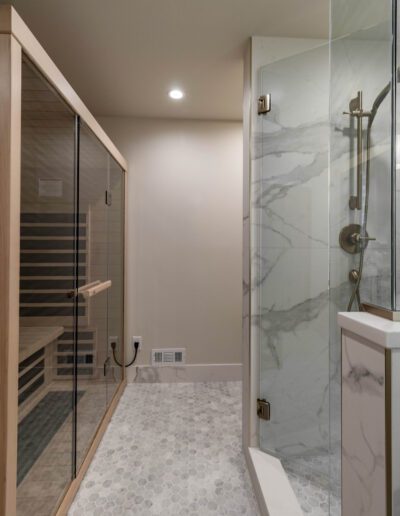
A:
(171, 450)
(309, 477)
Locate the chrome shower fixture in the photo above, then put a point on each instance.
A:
(352, 240)
(356, 110)
(354, 237)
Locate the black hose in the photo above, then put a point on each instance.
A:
(114, 345)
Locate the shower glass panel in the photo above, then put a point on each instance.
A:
(47, 270)
(361, 152)
(291, 268)
(92, 341)
(360, 51)
(115, 240)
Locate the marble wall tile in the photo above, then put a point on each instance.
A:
(350, 16)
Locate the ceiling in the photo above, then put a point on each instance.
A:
(123, 56)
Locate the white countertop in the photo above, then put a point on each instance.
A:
(381, 331)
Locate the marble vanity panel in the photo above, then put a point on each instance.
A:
(363, 428)
(395, 386)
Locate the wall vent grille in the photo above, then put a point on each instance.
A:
(168, 356)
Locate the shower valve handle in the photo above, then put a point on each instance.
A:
(356, 237)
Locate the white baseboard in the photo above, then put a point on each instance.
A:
(186, 373)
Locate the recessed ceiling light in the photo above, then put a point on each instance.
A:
(176, 94)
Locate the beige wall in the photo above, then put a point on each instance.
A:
(184, 235)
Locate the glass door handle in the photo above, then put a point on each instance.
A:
(94, 288)
(91, 289)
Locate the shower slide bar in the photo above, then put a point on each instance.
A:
(356, 110)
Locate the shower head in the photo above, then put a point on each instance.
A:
(379, 99)
(382, 95)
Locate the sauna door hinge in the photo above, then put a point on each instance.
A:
(263, 409)
(105, 366)
(264, 104)
(108, 197)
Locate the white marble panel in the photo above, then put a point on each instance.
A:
(363, 428)
(350, 16)
(395, 386)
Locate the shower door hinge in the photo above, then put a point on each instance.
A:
(263, 409)
(108, 198)
(264, 104)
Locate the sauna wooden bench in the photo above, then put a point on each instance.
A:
(33, 338)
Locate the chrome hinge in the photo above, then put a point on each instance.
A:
(263, 409)
(108, 198)
(264, 104)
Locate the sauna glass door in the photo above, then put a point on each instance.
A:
(115, 209)
(47, 278)
(71, 293)
(92, 336)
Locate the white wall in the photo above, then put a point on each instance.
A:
(184, 235)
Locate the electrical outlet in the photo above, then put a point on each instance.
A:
(137, 339)
(113, 339)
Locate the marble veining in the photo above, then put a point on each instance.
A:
(363, 436)
(171, 450)
(289, 227)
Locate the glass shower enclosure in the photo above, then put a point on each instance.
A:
(323, 229)
(71, 292)
(291, 267)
